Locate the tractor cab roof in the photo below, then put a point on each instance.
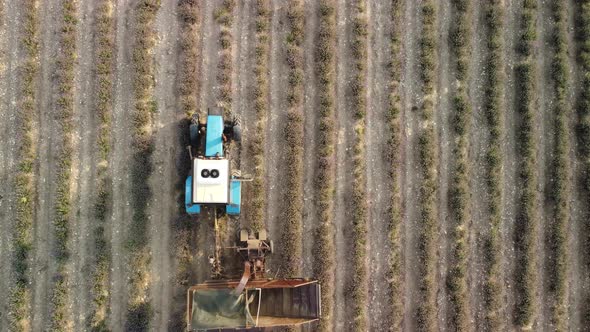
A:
(214, 140)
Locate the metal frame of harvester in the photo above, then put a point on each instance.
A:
(252, 302)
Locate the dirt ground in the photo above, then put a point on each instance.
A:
(166, 292)
(9, 62)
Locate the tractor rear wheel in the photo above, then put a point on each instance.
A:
(194, 135)
(237, 133)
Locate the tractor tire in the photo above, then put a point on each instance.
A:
(237, 133)
(194, 135)
(195, 118)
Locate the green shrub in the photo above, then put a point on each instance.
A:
(493, 110)
(525, 225)
(325, 178)
(103, 106)
(64, 102)
(260, 94)
(359, 286)
(138, 310)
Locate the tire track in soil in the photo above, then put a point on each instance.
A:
(163, 207)
(210, 53)
(44, 265)
(478, 138)
(577, 272)
(121, 161)
(446, 80)
(344, 160)
(544, 136)
(275, 137)
(410, 91)
(311, 120)
(244, 82)
(509, 164)
(9, 85)
(378, 179)
(83, 170)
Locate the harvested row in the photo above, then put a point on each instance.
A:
(458, 191)
(224, 16)
(525, 225)
(261, 105)
(426, 311)
(559, 171)
(493, 110)
(359, 285)
(325, 181)
(395, 267)
(188, 14)
(61, 222)
(583, 135)
(291, 239)
(138, 306)
(20, 293)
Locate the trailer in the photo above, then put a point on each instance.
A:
(265, 303)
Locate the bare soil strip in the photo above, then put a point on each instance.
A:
(164, 207)
(345, 139)
(120, 161)
(510, 9)
(544, 134)
(83, 171)
(445, 82)
(311, 111)
(9, 84)
(244, 84)
(44, 265)
(275, 137)
(582, 131)
(379, 192)
(208, 71)
(409, 183)
(477, 227)
(577, 274)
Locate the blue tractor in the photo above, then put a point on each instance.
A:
(212, 181)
